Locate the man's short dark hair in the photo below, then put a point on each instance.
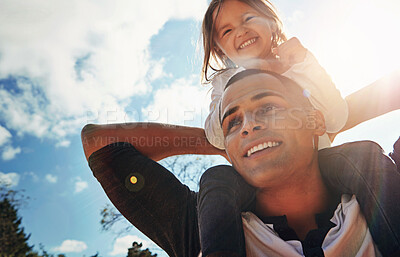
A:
(245, 73)
(284, 80)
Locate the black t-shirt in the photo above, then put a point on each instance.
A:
(165, 210)
(158, 204)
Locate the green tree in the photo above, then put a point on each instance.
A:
(13, 240)
(43, 253)
(136, 251)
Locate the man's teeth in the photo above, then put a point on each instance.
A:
(248, 42)
(261, 147)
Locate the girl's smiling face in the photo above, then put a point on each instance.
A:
(242, 33)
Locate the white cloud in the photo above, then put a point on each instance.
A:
(80, 186)
(71, 246)
(297, 16)
(122, 244)
(157, 70)
(79, 56)
(10, 152)
(9, 179)
(5, 135)
(33, 176)
(64, 143)
(185, 102)
(51, 178)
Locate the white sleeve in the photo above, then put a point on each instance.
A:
(212, 125)
(321, 90)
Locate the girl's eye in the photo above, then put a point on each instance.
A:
(249, 18)
(226, 32)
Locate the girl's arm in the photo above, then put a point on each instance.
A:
(376, 99)
(154, 140)
(212, 124)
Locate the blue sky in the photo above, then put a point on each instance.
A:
(66, 63)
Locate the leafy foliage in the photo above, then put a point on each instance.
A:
(136, 251)
(13, 240)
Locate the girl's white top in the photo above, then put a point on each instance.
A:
(318, 87)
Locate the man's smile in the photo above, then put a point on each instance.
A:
(260, 146)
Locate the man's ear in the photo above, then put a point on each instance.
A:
(320, 123)
(317, 122)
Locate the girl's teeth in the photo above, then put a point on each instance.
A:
(249, 42)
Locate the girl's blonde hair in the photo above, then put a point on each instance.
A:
(222, 62)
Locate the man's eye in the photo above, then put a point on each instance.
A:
(233, 123)
(267, 109)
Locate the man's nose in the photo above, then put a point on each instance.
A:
(251, 124)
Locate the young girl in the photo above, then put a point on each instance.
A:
(247, 34)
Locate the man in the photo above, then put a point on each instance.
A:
(257, 108)
(291, 191)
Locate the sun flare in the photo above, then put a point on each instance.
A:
(358, 42)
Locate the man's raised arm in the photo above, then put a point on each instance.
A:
(154, 140)
(149, 196)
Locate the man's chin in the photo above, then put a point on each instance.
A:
(263, 172)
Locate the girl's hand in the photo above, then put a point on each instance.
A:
(287, 54)
(290, 52)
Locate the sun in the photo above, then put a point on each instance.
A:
(358, 42)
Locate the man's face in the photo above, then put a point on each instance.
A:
(267, 130)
